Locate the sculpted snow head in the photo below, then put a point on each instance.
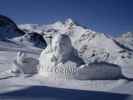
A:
(61, 46)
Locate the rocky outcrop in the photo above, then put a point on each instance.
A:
(8, 28)
(31, 39)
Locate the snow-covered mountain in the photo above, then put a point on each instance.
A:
(126, 40)
(90, 45)
(9, 31)
(76, 49)
(68, 27)
(8, 28)
(30, 39)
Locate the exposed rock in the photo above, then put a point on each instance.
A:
(31, 39)
(8, 28)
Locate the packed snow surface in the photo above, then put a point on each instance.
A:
(87, 59)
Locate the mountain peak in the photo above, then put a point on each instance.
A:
(128, 34)
(69, 21)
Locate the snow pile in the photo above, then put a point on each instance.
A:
(98, 71)
(61, 61)
(29, 28)
(25, 65)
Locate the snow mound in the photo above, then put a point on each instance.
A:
(25, 65)
(98, 71)
(61, 61)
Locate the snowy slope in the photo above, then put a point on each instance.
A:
(68, 26)
(102, 48)
(30, 39)
(126, 40)
(8, 28)
(90, 46)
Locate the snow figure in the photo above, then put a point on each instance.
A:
(99, 71)
(59, 61)
(24, 64)
(62, 61)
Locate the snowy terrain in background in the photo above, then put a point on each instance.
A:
(90, 46)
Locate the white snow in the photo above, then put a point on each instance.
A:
(91, 61)
(24, 64)
(126, 40)
(58, 63)
(92, 46)
(98, 71)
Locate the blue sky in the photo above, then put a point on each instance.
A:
(108, 16)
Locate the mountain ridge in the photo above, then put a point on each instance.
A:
(90, 45)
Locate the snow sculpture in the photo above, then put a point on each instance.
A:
(24, 64)
(98, 71)
(60, 61)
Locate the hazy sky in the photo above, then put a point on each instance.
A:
(108, 16)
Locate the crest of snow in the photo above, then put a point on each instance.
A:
(69, 21)
(30, 28)
(68, 27)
